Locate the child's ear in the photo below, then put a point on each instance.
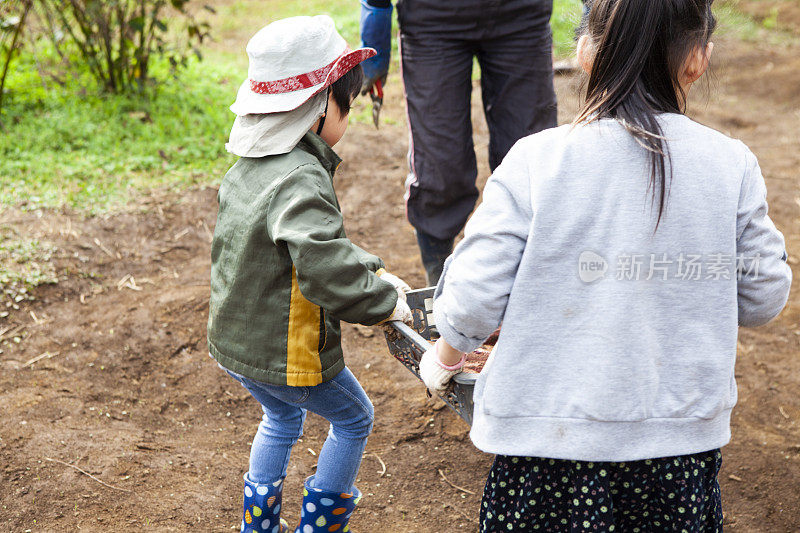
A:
(698, 62)
(585, 53)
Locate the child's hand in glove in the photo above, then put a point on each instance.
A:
(400, 286)
(402, 313)
(433, 367)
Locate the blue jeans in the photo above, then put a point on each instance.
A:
(341, 401)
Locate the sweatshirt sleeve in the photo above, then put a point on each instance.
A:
(330, 270)
(471, 297)
(764, 276)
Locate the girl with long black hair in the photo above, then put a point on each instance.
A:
(620, 253)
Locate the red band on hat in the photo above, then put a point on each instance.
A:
(307, 80)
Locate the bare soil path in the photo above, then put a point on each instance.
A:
(124, 389)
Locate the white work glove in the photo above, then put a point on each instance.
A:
(399, 285)
(401, 313)
(434, 373)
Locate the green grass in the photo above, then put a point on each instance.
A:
(254, 14)
(566, 17)
(73, 146)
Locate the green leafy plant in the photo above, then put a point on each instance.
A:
(118, 39)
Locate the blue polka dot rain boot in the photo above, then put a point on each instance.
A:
(262, 507)
(326, 511)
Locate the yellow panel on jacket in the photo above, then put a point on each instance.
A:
(303, 365)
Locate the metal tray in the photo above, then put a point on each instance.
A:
(408, 343)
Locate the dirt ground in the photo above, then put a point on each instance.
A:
(123, 388)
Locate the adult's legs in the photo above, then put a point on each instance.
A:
(441, 191)
(517, 83)
(434, 252)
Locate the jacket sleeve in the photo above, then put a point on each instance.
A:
(372, 262)
(471, 298)
(764, 277)
(376, 32)
(302, 215)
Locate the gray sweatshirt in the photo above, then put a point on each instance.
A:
(618, 343)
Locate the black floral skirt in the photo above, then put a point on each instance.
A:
(671, 494)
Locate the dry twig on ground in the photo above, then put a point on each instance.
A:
(128, 282)
(462, 489)
(45, 355)
(378, 457)
(103, 247)
(84, 472)
(11, 331)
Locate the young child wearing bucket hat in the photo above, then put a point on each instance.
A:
(284, 274)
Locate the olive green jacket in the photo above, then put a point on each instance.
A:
(283, 273)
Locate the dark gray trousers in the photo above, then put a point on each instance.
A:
(439, 40)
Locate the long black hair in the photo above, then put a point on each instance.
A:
(639, 49)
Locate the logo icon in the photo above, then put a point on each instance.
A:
(591, 267)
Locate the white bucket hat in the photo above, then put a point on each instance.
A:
(291, 60)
